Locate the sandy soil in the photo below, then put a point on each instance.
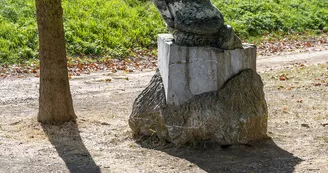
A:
(101, 140)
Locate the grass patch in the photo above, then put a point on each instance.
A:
(258, 17)
(119, 28)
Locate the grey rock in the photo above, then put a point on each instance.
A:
(237, 113)
(145, 118)
(197, 23)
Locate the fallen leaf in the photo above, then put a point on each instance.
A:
(34, 71)
(18, 70)
(283, 77)
(4, 75)
(308, 44)
(80, 66)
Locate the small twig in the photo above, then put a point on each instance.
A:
(325, 124)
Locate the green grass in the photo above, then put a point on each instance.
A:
(252, 18)
(116, 28)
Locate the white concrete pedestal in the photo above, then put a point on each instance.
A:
(190, 71)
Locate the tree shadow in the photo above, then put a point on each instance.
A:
(69, 145)
(258, 157)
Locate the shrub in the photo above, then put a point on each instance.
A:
(117, 27)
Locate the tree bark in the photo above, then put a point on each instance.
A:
(55, 102)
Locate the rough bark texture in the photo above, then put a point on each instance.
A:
(55, 102)
(235, 114)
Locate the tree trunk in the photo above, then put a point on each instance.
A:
(55, 102)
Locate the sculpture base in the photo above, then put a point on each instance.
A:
(237, 113)
(202, 94)
(190, 71)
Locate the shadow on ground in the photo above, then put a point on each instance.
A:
(69, 145)
(264, 157)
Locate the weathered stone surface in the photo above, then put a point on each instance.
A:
(197, 23)
(190, 71)
(237, 113)
(145, 118)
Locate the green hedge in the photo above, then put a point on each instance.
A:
(253, 18)
(117, 27)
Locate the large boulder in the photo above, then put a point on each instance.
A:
(237, 113)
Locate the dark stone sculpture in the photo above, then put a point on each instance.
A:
(197, 23)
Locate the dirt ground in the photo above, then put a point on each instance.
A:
(101, 141)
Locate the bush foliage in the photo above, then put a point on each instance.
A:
(118, 27)
(257, 17)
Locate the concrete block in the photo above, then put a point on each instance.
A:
(190, 71)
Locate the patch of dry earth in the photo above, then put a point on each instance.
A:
(102, 141)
